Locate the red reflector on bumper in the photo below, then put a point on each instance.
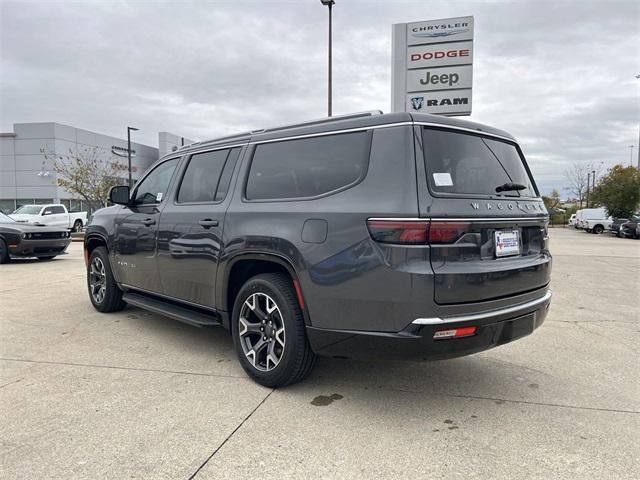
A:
(455, 333)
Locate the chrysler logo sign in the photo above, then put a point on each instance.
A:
(121, 151)
(440, 34)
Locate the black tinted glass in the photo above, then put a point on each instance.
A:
(200, 181)
(471, 164)
(307, 167)
(55, 210)
(154, 187)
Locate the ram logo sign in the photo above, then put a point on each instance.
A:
(432, 66)
(450, 102)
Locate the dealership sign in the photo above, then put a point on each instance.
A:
(432, 66)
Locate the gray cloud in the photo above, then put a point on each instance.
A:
(558, 75)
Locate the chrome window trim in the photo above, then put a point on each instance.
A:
(484, 315)
(460, 219)
(213, 148)
(331, 132)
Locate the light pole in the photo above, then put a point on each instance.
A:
(129, 129)
(631, 155)
(588, 184)
(638, 78)
(329, 3)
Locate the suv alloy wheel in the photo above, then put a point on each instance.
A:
(103, 291)
(269, 332)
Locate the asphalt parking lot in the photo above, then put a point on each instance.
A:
(136, 395)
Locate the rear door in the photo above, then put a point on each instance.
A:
(488, 231)
(190, 233)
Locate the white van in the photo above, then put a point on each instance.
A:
(594, 220)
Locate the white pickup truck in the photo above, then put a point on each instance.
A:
(53, 214)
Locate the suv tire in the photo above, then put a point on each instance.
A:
(598, 229)
(266, 315)
(104, 293)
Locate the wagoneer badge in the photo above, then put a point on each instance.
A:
(500, 206)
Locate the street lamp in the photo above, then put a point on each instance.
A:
(329, 3)
(129, 129)
(588, 185)
(631, 155)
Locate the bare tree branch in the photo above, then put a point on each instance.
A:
(87, 174)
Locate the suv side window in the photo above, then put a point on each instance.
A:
(207, 176)
(154, 187)
(308, 167)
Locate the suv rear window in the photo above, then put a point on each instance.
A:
(460, 163)
(207, 176)
(308, 167)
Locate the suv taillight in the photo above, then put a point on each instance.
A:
(407, 232)
(415, 232)
(447, 232)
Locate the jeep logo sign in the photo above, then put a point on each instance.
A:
(432, 66)
(444, 78)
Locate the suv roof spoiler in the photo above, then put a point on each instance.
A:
(317, 121)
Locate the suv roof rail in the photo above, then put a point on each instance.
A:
(316, 121)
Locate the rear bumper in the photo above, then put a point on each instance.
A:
(416, 341)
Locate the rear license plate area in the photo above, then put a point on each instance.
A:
(507, 243)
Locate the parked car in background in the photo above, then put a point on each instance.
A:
(615, 225)
(53, 215)
(597, 226)
(365, 236)
(629, 229)
(593, 220)
(21, 240)
(572, 220)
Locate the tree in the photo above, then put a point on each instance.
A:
(87, 173)
(578, 177)
(552, 202)
(619, 191)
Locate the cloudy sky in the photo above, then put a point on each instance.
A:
(560, 76)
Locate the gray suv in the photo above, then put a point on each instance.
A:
(362, 236)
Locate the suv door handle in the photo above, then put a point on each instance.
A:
(148, 221)
(208, 223)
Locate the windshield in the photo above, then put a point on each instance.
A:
(29, 209)
(459, 163)
(5, 219)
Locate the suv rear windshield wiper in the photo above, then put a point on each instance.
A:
(509, 187)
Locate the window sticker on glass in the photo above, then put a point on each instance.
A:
(443, 179)
(159, 197)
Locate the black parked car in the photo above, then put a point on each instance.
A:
(19, 240)
(628, 229)
(363, 236)
(615, 225)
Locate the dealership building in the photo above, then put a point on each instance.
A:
(27, 155)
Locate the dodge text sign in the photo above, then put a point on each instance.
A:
(432, 66)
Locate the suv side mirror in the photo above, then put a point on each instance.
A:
(119, 195)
